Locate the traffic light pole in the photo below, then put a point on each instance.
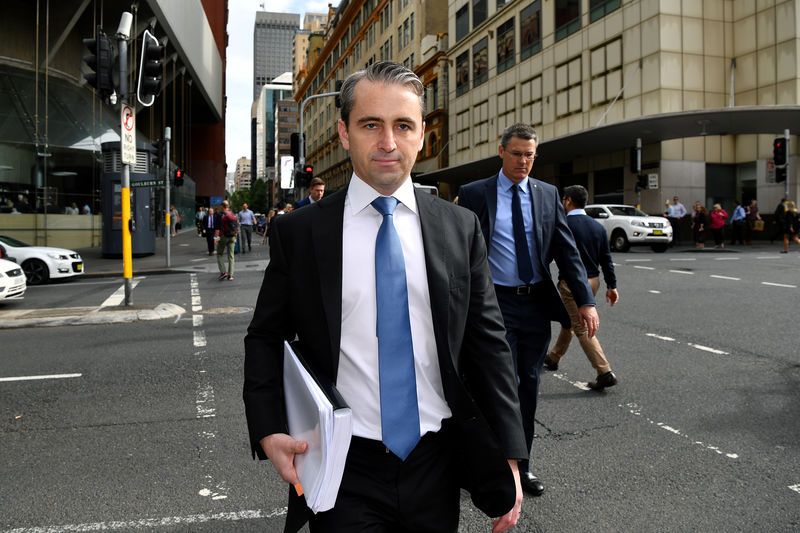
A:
(302, 148)
(638, 172)
(168, 230)
(786, 185)
(123, 34)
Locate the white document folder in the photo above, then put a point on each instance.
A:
(317, 414)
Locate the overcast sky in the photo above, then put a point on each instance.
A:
(239, 80)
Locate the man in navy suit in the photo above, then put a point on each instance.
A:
(322, 285)
(315, 192)
(525, 229)
(592, 241)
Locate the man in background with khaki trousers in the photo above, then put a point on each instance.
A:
(592, 242)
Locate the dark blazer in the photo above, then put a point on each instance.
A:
(592, 241)
(552, 234)
(301, 295)
(302, 203)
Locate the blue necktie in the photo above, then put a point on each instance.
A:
(399, 411)
(524, 267)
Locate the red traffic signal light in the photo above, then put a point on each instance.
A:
(779, 151)
(308, 169)
(178, 178)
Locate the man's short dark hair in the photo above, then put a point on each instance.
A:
(523, 131)
(315, 182)
(387, 72)
(578, 194)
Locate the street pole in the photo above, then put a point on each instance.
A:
(123, 34)
(301, 152)
(786, 185)
(638, 171)
(167, 138)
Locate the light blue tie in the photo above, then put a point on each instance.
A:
(399, 410)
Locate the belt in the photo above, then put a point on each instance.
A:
(376, 447)
(519, 290)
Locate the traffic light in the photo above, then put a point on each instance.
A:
(779, 151)
(150, 73)
(161, 153)
(101, 61)
(308, 170)
(296, 139)
(780, 174)
(303, 175)
(178, 177)
(641, 182)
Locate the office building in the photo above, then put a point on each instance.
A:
(273, 37)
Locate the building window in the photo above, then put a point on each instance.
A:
(432, 95)
(462, 130)
(600, 8)
(530, 30)
(462, 74)
(531, 96)
(568, 87)
(412, 26)
(399, 38)
(568, 17)
(462, 23)
(606, 71)
(479, 12)
(505, 45)
(480, 62)
(480, 117)
(506, 110)
(406, 34)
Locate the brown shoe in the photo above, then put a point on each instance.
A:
(609, 379)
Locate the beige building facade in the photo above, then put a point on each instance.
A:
(568, 66)
(242, 176)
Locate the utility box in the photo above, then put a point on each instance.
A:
(143, 181)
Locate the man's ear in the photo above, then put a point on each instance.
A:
(422, 140)
(342, 127)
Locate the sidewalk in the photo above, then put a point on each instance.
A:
(188, 253)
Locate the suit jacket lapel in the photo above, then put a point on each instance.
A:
(490, 193)
(327, 243)
(536, 199)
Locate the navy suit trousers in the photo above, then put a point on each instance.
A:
(527, 321)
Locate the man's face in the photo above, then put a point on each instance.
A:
(675, 200)
(244, 207)
(518, 156)
(385, 134)
(316, 192)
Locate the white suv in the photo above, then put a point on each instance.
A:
(628, 226)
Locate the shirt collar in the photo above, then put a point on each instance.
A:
(506, 183)
(361, 195)
(577, 212)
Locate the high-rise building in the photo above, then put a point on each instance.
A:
(273, 38)
(242, 176)
(313, 23)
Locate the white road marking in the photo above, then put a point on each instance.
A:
(155, 522)
(637, 411)
(578, 384)
(654, 292)
(726, 259)
(638, 260)
(45, 376)
(795, 488)
(707, 349)
(779, 285)
(682, 272)
(725, 277)
(119, 294)
(659, 337)
(643, 267)
(768, 256)
(205, 403)
(684, 259)
(195, 260)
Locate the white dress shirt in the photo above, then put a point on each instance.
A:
(358, 375)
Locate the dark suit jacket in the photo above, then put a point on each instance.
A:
(552, 234)
(301, 295)
(592, 241)
(302, 203)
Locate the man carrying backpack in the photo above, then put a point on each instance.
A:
(228, 229)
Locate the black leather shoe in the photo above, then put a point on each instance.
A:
(606, 380)
(549, 364)
(531, 484)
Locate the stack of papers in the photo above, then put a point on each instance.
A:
(318, 415)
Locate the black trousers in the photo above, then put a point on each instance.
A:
(247, 234)
(210, 240)
(527, 322)
(382, 494)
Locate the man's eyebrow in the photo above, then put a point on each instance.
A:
(401, 120)
(364, 120)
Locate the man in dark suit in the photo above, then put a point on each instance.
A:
(525, 229)
(209, 226)
(592, 241)
(466, 429)
(315, 192)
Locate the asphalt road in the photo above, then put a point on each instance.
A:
(140, 425)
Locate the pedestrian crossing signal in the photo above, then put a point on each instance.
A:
(178, 178)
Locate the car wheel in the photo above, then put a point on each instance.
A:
(619, 242)
(36, 271)
(659, 248)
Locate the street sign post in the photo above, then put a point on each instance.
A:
(128, 138)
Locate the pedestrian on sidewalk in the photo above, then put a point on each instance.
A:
(227, 233)
(676, 213)
(752, 217)
(718, 217)
(592, 242)
(247, 220)
(699, 225)
(791, 226)
(209, 229)
(737, 223)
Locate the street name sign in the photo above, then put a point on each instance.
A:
(147, 183)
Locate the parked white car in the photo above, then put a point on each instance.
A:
(42, 263)
(12, 281)
(628, 226)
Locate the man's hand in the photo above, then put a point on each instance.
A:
(281, 449)
(587, 315)
(511, 518)
(612, 296)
